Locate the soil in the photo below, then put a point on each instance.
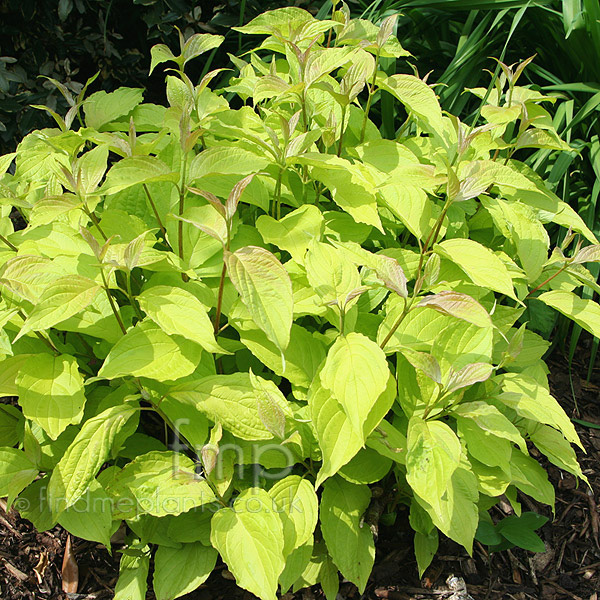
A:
(32, 563)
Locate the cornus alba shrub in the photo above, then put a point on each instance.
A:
(327, 325)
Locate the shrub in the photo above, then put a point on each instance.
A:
(308, 308)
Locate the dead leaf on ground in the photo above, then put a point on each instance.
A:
(70, 570)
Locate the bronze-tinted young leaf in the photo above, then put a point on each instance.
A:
(269, 411)
(458, 305)
(390, 272)
(266, 290)
(588, 254)
(211, 198)
(469, 375)
(424, 362)
(235, 195)
(386, 29)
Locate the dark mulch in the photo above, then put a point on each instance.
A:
(31, 562)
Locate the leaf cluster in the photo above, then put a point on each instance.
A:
(328, 324)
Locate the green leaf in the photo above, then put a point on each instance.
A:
(425, 548)
(418, 98)
(200, 43)
(89, 451)
(553, 444)
(158, 484)
(388, 441)
(11, 425)
(179, 571)
(541, 138)
(480, 264)
(526, 231)
(585, 312)
(297, 505)
(520, 531)
(101, 108)
(350, 186)
(331, 274)
(269, 411)
(530, 478)
(6, 161)
(136, 170)
(368, 466)
(295, 564)
(294, 232)
(16, 473)
(323, 61)
(459, 305)
(338, 440)
(226, 160)
(486, 447)
(461, 344)
(33, 505)
(302, 357)
(61, 299)
(249, 537)
(432, 457)
(533, 401)
(411, 205)
(191, 526)
(265, 289)
(282, 20)
(232, 401)
(90, 518)
(133, 574)
(179, 312)
(349, 539)
(91, 167)
(147, 351)
(489, 419)
(456, 514)
(160, 53)
(356, 372)
(50, 390)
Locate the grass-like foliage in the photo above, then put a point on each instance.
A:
(305, 308)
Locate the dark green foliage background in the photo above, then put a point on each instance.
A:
(73, 39)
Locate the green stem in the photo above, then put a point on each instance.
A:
(41, 336)
(341, 141)
(431, 239)
(342, 320)
(277, 206)
(130, 297)
(9, 244)
(304, 111)
(319, 187)
(370, 98)
(181, 208)
(154, 209)
(220, 299)
(217, 322)
(96, 222)
(392, 331)
(438, 225)
(111, 301)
